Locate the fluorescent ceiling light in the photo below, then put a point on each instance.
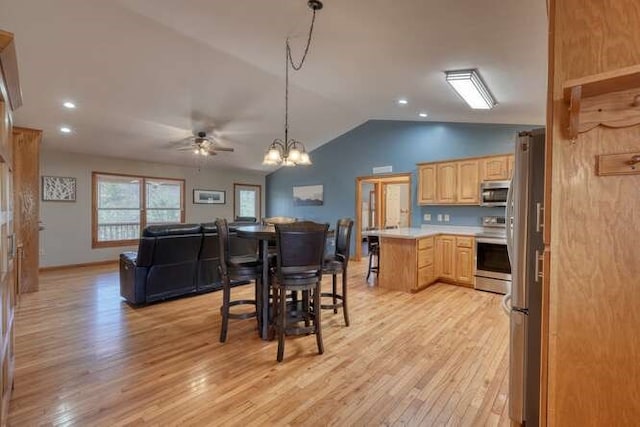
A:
(423, 115)
(70, 105)
(403, 101)
(469, 85)
(65, 129)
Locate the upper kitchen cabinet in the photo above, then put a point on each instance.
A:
(427, 184)
(457, 182)
(446, 182)
(468, 183)
(494, 168)
(510, 165)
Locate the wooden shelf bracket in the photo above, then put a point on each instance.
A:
(610, 99)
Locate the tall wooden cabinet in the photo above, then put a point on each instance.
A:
(446, 182)
(591, 288)
(468, 186)
(10, 99)
(26, 162)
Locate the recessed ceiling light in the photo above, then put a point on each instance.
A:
(403, 101)
(70, 105)
(65, 129)
(423, 114)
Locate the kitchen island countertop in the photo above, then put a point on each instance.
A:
(425, 231)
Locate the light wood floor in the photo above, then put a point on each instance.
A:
(84, 357)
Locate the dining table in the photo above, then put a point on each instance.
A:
(263, 233)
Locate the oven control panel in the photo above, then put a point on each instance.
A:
(494, 221)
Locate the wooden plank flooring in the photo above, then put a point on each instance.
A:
(84, 357)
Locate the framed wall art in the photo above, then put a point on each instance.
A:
(58, 189)
(209, 197)
(308, 195)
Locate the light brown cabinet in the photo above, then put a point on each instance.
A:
(411, 265)
(426, 272)
(427, 185)
(510, 166)
(468, 183)
(465, 260)
(446, 181)
(445, 257)
(494, 168)
(458, 182)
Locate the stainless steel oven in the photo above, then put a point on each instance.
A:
(493, 269)
(494, 193)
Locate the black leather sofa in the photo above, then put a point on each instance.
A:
(175, 260)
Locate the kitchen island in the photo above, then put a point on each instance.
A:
(413, 258)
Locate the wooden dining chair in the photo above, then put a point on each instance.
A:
(300, 252)
(246, 267)
(337, 264)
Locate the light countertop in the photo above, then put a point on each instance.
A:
(425, 231)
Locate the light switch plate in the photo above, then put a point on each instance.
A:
(440, 217)
(446, 217)
(427, 217)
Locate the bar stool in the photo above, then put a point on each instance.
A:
(300, 251)
(337, 264)
(246, 267)
(373, 247)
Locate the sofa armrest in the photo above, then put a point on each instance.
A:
(129, 257)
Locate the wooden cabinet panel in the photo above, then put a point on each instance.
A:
(425, 243)
(426, 276)
(468, 182)
(465, 260)
(494, 168)
(427, 184)
(510, 165)
(425, 257)
(445, 257)
(447, 177)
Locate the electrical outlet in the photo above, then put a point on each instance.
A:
(427, 217)
(446, 217)
(439, 217)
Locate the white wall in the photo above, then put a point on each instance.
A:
(66, 238)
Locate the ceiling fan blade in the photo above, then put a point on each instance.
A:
(190, 148)
(222, 149)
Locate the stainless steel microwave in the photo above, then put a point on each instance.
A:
(494, 193)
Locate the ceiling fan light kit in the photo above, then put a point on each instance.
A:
(288, 151)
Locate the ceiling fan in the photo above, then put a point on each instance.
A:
(203, 145)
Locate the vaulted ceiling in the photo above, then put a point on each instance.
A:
(147, 73)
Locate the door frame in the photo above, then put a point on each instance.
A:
(392, 178)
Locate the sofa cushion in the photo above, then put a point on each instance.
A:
(171, 230)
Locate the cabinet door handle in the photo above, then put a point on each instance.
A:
(539, 266)
(539, 217)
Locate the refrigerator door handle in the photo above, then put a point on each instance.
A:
(509, 221)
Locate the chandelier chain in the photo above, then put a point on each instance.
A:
(298, 67)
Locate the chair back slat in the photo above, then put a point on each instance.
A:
(222, 227)
(300, 246)
(344, 227)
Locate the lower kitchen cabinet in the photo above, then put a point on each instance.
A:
(410, 264)
(465, 260)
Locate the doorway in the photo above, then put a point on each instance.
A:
(382, 201)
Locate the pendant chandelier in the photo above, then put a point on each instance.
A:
(288, 151)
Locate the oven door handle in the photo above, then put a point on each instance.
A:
(491, 240)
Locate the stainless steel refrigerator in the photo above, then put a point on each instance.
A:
(525, 213)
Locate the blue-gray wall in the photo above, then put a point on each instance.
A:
(382, 143)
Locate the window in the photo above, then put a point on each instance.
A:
(247, 200)
(123, 205)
